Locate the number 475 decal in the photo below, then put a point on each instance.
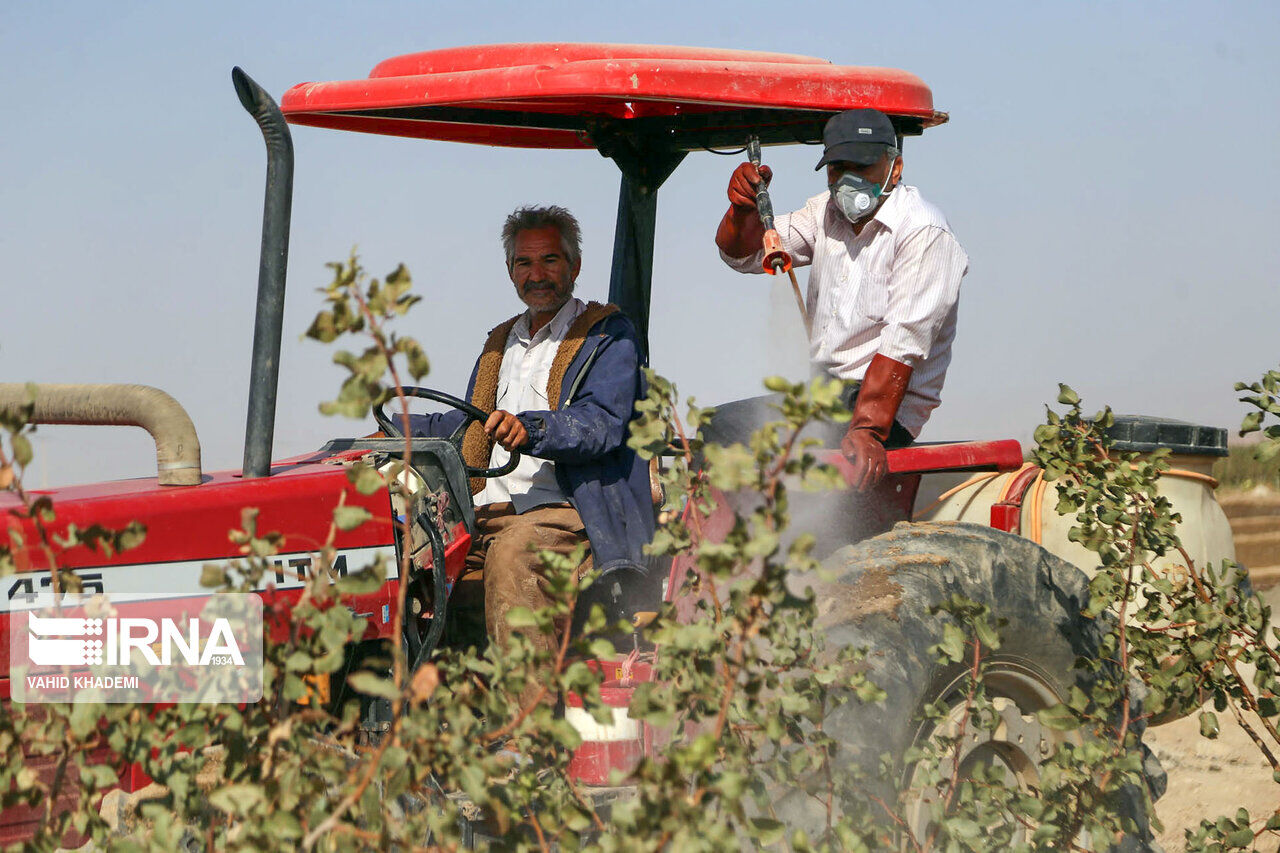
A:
(26, 588)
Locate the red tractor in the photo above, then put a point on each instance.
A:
(646, 108)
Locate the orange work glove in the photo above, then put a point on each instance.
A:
(879, 397)
(744, 182)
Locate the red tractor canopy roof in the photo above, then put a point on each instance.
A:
(582, 95)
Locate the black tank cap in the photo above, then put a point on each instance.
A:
(1143, 434)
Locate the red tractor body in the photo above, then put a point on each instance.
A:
(646, 108)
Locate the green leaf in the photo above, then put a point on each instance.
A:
(236, 799)
(602, 649)
(1077, 699)
(986, 634)
(25, 778)
(373, 685)
(1208, 724)
(365, 478)
(419, 366)
(1059, 717)
(21, 450)
(299, 661)
(100, 776)
(1242, 838)
(767, 831)
(953, 643)
(324, 328)
(283, 825)
(777, 384)
(360, 583)
(521, 617)
(350, 517)
(213, 575)
(132, 536)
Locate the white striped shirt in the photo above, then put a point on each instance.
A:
(893, 289)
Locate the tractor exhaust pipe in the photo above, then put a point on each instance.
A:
(177, 447)
(264, 375)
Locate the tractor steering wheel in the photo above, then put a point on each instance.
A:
(473, 413)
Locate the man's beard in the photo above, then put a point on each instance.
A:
(561, 290)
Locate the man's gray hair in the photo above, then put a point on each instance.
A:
(530, 217)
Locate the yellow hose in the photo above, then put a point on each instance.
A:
(975, 479)
(1008, 484)
(1037, 508)
(1191, 475)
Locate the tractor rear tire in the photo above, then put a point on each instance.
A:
(879, 600)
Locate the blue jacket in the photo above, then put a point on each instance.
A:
(586, 437)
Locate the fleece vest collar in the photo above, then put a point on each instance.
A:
(477, 447)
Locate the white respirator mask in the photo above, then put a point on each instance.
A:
(856, 196)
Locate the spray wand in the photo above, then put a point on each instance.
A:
(776, 259)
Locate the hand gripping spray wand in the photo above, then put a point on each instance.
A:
(776, 259)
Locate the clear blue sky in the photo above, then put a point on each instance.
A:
(1111, 169)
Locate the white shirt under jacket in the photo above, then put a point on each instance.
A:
(892, 289)
(522, 387)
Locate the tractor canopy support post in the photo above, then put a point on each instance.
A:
(644, 169)
(264, 373)
(631, 278)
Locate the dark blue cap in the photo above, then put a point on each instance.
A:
(858, 137)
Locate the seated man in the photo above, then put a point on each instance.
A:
(562, 380)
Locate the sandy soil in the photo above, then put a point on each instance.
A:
(1210, 778)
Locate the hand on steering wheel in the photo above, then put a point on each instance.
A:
(390, 426)
(506, 430)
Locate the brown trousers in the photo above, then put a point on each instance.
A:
(505, 554)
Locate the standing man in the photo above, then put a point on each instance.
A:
(561, 379)
(884, 285)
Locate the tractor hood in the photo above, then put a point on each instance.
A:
(187, 527)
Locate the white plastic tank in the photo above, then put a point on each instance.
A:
(1189, 486)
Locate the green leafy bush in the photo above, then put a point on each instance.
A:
(744, 679)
